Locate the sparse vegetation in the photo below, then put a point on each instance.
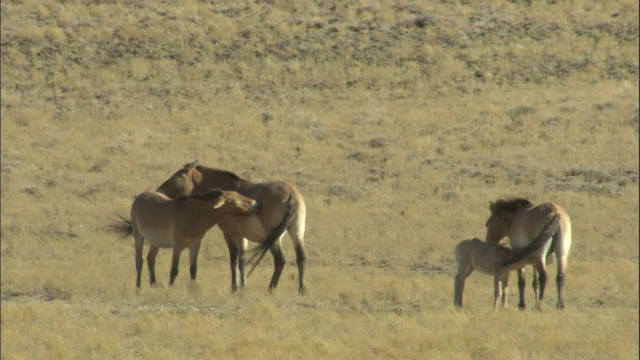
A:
(398, 120)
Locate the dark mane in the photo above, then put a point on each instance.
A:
(206, 195)
(509, 205)
(229, 174)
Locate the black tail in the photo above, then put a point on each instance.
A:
(122, 226)
(521, 254)
(257, 253)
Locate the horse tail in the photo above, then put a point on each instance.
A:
(521, 254)
(257, 253)
(122, 225)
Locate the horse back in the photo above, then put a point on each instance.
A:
(152, 215)
(275, 199)
(531, 222)
(481, 256)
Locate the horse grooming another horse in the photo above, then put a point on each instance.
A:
(492, 259)
(520, 221)
(283, 210)
(179, 223)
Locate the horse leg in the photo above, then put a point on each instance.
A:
(278, 264)
(242, 247)
(505, 289)
(234, 257)
(296, 232)
(235, 244)
(497, 290)
(139, 246)
(175, 261)
(193, 258)
(151, 264)
(458, 290)
(562, 265)
(461, 276)
(542, 274)
(521, 287)
(536, 284)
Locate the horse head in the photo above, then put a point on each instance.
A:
(503, 213)
(181, 182)
(240, 205)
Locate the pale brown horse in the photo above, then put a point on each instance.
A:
(492, 259)
(179, 223)
(283, 210)
(521, 221)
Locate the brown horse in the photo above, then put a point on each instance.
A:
(283, 210)
(521, 221)
(179, 223)
(492, 259)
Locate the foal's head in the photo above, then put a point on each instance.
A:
(503, 211)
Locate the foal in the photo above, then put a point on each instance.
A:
(179, 223)
(492, 259)
(475, 254)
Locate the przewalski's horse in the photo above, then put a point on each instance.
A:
(179, 223)
(521, 221)
(492, 259)
(283, 210)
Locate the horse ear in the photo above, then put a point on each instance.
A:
(191, 166)
(219, 203)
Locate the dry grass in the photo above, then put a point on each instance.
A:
(399, 121)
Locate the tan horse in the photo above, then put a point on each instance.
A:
(179, 224)
(283, 210)
(521, 221)
(492, 259)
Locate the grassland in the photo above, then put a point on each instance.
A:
(399, 121)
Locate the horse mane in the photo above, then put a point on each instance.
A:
(232, 176)
(205, 195)
(509, 205)
(194, 165)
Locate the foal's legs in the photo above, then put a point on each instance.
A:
(151, 263)
(461, 276)
(497, 290)
(504, 282)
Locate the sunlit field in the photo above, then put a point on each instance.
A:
(399, 121)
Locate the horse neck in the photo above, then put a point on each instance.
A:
(208, 178)
(507, 257)
(199, 214)
(509, 218)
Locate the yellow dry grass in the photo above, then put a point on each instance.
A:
(398, 120)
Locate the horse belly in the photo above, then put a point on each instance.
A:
(157, 237)
(251, 228)
(484, 268)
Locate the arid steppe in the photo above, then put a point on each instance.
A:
(399, 121)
